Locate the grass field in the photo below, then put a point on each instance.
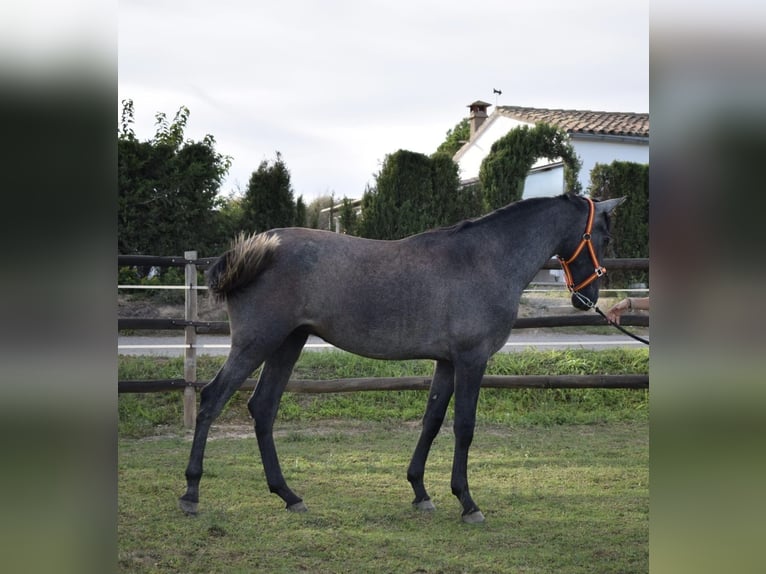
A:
(571, 498)
(561, 476)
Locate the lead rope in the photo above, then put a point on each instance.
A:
(591, 305)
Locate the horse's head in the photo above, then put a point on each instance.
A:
(583, 253)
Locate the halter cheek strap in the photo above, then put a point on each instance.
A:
(598, 269)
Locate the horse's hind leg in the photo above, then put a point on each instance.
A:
(438, 398)
(263, 406)
(240, 363)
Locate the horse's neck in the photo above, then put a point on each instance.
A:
(527, 241)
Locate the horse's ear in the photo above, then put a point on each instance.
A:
(608, 205)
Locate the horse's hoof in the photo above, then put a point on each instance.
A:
(297, 507)
(424, 505)
(189, 508)
(475, 517)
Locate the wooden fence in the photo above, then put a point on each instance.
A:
(192, 326)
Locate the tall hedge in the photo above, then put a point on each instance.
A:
(451, 202)
(395, 206)
(414, 192)
(630, 221)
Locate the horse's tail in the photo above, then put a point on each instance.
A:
(238, 267)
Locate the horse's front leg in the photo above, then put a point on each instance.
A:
(468, 377)
(439, 396)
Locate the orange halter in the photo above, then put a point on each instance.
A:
(598, 269)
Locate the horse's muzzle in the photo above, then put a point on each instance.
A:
(581, 301)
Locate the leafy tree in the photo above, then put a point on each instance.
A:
(268, 201)
(630, 221)
(455, 139)
(504, 170)
(167, 187)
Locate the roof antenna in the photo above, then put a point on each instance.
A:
(497, 93)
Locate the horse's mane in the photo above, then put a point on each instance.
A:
(514, 209)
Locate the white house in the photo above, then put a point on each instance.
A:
(597, 137)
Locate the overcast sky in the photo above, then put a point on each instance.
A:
(336, 85)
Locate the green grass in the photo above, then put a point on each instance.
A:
(141, 414)
(561, 476)
(559, 499)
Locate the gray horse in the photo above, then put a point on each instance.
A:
(449, 294)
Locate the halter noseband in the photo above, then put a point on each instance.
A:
(598, 270)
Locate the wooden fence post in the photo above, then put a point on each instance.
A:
(190, 340)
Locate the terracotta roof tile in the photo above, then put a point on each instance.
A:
(583, 121)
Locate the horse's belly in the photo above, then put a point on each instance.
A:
(384, 337)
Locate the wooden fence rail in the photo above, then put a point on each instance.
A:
(192, 327)
(411, 383)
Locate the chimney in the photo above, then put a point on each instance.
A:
(478, 115)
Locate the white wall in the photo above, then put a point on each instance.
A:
(544, 183)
